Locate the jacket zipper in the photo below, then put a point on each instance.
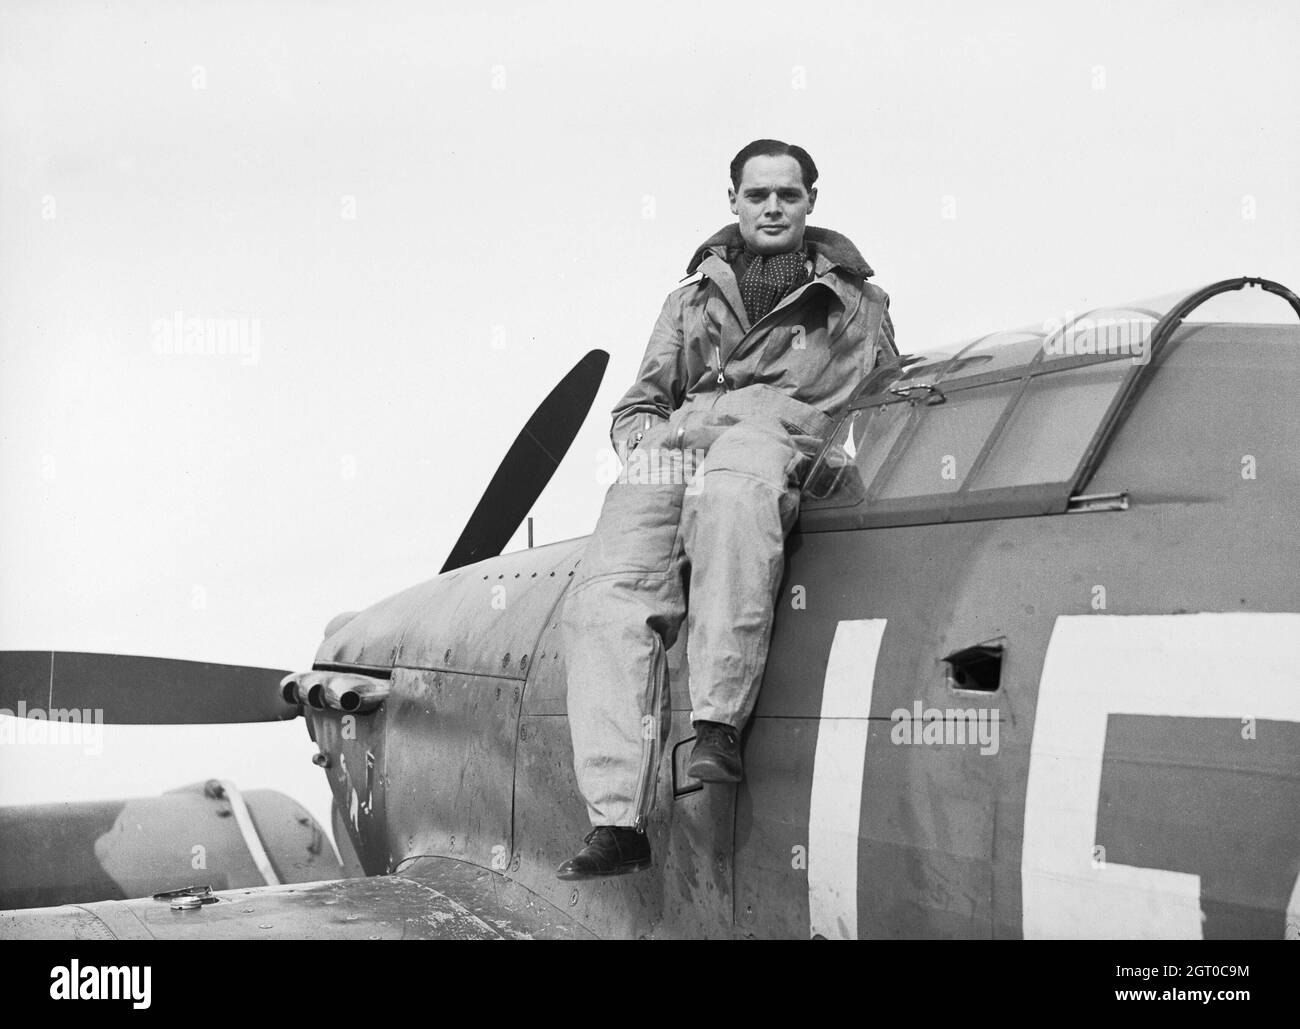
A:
(781, 305)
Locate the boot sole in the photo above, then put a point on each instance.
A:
(627, 869)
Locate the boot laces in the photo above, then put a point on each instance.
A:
(714, 729)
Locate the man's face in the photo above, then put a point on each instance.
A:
(772, 204)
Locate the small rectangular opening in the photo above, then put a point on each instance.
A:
(976, 669)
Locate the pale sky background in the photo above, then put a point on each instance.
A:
(527, 182)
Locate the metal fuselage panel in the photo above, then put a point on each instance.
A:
(483, 619)
(432, 771)
(688, 893)
(353, 748)
(450, 753)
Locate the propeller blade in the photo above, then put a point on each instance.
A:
(529, 464)
(122, 689)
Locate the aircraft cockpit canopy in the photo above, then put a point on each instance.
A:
(1011, 423)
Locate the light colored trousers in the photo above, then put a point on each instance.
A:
(723, 532)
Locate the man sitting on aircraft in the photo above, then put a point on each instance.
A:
(746, 369)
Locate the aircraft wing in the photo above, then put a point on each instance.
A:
(431, 899)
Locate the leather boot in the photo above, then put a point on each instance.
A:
(716, 756)
(610, 850)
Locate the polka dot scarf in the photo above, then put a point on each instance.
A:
(768, 279)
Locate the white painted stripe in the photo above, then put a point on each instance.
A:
(249, 831)
(1231, 665)
(838, 769)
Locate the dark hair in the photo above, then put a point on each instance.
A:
(774, 148)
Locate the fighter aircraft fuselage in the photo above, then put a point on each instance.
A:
(1131, 768)
(1033, 674)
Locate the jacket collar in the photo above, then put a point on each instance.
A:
(827, 248)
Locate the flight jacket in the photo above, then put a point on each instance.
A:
(815, 346)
